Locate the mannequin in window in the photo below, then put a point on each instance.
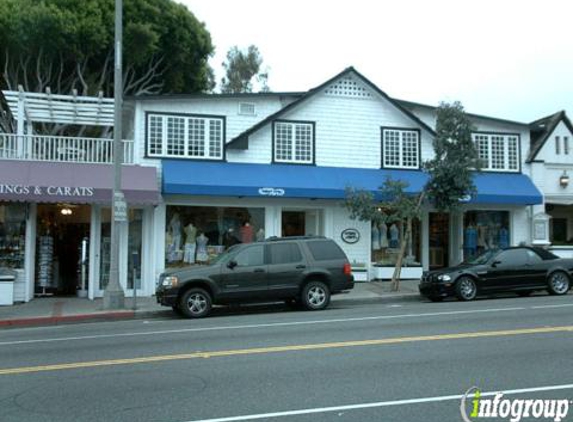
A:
(190, 243)
(503, 238)
(229, 238)
(375, 237)
(261, 235)
(482, 236)
(202, 254)
(394, 236)
(470, 240)
(383, 235)
(247, 233)
(175, 227)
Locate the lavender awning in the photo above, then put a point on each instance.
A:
(32, 181)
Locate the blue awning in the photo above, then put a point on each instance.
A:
(183, 177)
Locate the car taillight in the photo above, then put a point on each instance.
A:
(347, 270)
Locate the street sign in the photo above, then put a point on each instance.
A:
(119, 207)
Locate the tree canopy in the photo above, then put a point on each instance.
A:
(242, 68)
(69, 44)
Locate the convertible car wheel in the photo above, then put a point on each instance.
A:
(466, 288)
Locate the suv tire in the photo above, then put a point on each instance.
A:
(195, 303)
(315, 295)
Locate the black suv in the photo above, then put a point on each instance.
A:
(305, 270)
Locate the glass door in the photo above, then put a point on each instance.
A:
(439, 240)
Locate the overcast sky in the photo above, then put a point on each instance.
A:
(503, 58)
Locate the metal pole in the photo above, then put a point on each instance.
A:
(114, 297)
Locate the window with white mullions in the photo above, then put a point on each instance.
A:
(498, 152)
(401, 148)
(294, 142)
(184, 136)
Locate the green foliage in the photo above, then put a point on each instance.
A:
(455, 159)
(240, 69)
(67, 44)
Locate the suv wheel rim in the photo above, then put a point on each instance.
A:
(197, 303)
(316, 296)
(559, 283)
(467, 288)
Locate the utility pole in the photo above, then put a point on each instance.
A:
(113, 297)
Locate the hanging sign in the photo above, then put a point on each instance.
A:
(350, 236)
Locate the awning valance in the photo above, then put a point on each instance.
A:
(182, 177)
(33, 181)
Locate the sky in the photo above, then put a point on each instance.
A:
(502, 58)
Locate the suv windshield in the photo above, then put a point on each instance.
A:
(225, 255)
(483, 258)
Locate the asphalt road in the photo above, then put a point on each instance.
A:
(357, 361)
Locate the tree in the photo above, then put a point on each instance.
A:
(450, 181)
(69, 44)
(240, 69)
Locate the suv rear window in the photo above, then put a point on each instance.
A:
(284, 253)
(324, 250)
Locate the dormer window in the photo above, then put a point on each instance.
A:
(293, 142)
(400, 148)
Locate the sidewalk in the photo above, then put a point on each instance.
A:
(63, 310)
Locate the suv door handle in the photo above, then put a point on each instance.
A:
(300, 267)
(259, 270)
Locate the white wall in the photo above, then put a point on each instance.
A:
(548, 151)
(358, 252)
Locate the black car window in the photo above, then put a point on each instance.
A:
(251, 256)
(512, 257)
(533, 257)
(325, 250)
(284, 253)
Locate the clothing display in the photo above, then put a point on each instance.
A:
(247, 234)
(190, 233)
(45, 277)
(175, 227)
(482, 236)
(394, 236)
(383, 235)
(375, 237)
(503, 238)
(189, 253)
(470, 241)
(230, 239)
(202, 254)
(261, 235)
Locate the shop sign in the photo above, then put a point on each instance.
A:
(271, 192)
(119, 207)
(350, 236)
(28, 190)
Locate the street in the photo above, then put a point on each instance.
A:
(403, 360)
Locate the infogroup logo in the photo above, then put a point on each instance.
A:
(513, 410)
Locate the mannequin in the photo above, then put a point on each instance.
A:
(260, 235)
(229, 238)
(175, 227)
(247, 234)
(394, 236)
(375, 238)
(190, 243)
(202, 255)
(383, 235)
(503, 238)
(470, 241)
(482, 235)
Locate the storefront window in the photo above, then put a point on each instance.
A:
(559, 224)
(387, 239)
(196, 235)
(12, 235)
(105, 248)
(485, 230)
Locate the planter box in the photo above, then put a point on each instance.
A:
(385, 273)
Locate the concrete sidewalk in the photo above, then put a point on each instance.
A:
(63, 310)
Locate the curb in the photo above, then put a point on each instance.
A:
(65, 319)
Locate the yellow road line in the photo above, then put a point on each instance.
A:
(278, 349)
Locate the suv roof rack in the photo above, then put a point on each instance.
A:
(277, 239)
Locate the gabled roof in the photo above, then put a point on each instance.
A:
(542, 128)
(204, 96)
(241, 141)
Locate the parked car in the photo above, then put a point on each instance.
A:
(305, 270)
(519, 269)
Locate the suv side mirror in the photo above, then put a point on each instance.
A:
(495, 263)
(232, 264)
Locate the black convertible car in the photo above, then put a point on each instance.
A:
(519, 269)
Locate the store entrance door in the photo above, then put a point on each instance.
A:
(62, 229)
(439, 240)
(302, 223)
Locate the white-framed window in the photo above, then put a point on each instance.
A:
(498, 152)
(566, 145)
(401, 148)
(294, 142)
(557, 146)
(247, 109)
(185, 136)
